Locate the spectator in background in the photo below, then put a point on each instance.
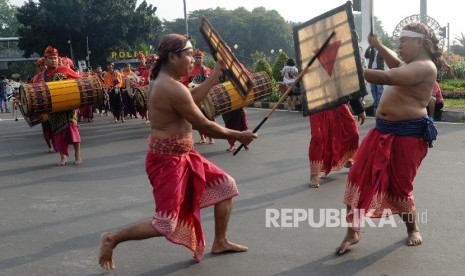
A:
(3, 96)
(289, 73)
(376, 62)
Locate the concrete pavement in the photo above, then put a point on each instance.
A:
(52, 217)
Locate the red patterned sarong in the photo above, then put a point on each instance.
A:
(69, 136)
(382, 178)
(334, 139)
(184, 182)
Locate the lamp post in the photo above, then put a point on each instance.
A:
(236, 46)
(88, 52)
(71, 49)
(185, 19)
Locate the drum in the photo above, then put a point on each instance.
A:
(57, 96)
(36, 119)
(140, 97)
(223, 97)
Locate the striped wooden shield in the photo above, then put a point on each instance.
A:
(234, 72)
(337, 74)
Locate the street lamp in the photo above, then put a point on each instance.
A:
(272, 51)
(280, 50)
(236, 46)
(71, 50)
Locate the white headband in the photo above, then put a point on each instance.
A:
(407, 33)
(188, 46)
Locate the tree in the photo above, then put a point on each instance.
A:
(108, 25)
(263, 65)
(459, 45)
(8, 22)
(251, 31)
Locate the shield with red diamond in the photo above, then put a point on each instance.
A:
(336, 75)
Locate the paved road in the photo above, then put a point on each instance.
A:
(52, 217)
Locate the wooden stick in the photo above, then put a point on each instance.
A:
(372, 18)
(289, 89)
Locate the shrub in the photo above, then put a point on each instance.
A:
(278, 66)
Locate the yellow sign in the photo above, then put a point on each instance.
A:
(127, 54)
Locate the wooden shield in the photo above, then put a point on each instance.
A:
(234, 71)
(337, 74)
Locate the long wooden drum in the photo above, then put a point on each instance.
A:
(140, 97)
(223, 98)
(57, 96)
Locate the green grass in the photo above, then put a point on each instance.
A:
(455, 103)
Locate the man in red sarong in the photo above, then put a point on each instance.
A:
(63, 124)
(183, 181)
(381, 181)
(334, 139)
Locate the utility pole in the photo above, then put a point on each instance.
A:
(185, 19)
(88, 52)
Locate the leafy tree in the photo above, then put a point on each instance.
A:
(108, 25)
(8, 22)
(278, 66)
(251, 31)
(459, 45)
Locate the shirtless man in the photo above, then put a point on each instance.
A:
(389, 156)
(183, 181)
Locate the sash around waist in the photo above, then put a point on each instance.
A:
(421, 128)
(177, 145)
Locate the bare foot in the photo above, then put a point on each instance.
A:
(62, 162)
(212, 141)
(79, 162)
(414, 238)
(227, 247)
(314, 182)
(231, 149)
(351, 238)
(105, 256)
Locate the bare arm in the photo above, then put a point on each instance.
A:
(201, 91)
(408, 74)
(389, 56)
(185, 106)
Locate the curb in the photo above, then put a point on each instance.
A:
(451, 116)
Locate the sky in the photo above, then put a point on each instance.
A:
(390, 12)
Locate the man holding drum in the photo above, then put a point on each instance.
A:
(183, 181)
(63, 124)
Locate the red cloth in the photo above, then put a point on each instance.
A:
(67, 72)
(194, 73)
(235, 120)
(50, 51)
(382, 177)
(334, 139)
(62, 139)
(184, 182)
(437, 93)
(144, 73)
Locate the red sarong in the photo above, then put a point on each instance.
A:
(69, 136)
(184, 182)
(382, 178)
(334, 139)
